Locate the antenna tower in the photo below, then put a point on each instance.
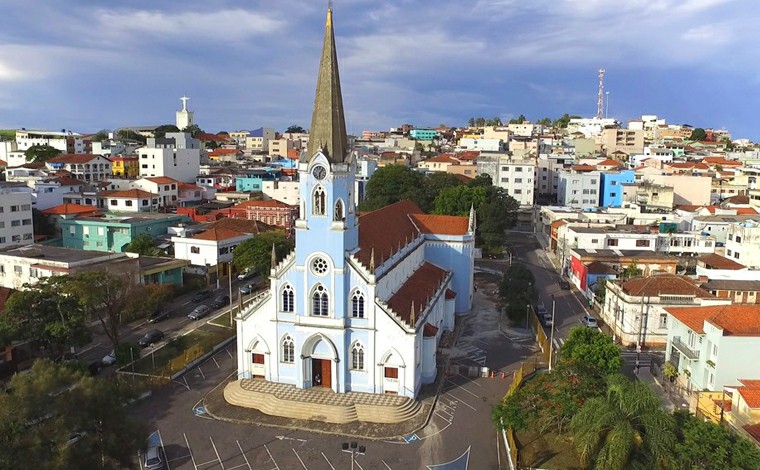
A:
(600, 98)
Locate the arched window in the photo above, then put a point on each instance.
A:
(288, 350)
(319, 302)
(357, 305)
(318, 205)
(287, 299)
(357, 357)
(339, 215)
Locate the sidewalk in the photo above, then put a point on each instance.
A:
(670, 401)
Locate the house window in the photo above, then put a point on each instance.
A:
(27, 207)
(736, 255)
(319, 301)
(594, 240)
(17, 270)
(715, 350)
(195, 250)
(318, 204)
(15, 223)
(287, 299)
(114, 202)
(128, 203)
(357, 357)
(643, 242)
(357, 305)
(505, 180)
(612, 242)
(663, 320)
(288, 350)
(738, 239)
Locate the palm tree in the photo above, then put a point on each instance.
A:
(627, 428)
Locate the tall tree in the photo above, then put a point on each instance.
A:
(546, 122)
(43, 314)
(391, 184)
(50, 402)
(432, 185)
(590, 346)
(518, 120)
(458, 200)
(698, 134)
(627, 428)
(495, 216)
(41, 153)
(193, 130)
(257, 252)
(160, 131)
(295, 129)
(143, 244)
(517, 290)
(704, 445)
(128, 134)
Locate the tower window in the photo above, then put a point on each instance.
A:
(357, 305)
(357, 357)
(339, 215)
(288, 350)
(287, 299)
(319, 202)
(319, 301)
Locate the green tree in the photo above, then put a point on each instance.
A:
(146, 299)
(102, 295)
(143, 244)
(484, 180)
(546, 122)
(391, 184)
(128, 134)
(519, 120)
(100, 136)
(517, 290)
(471, 122)
(432, 185)
(458, 200)
(43, 314)
(564, 121)
(480, 121)
(160, 131)
(193, 130)
(590, 346)
(627, 428)
(256, 252)
(50, 402)
(41, 153)
(295, 129)
(495, 216)
(631, 271)
(704, 445)
(698, 134)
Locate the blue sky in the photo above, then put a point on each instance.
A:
(86, 65)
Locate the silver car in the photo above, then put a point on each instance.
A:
(199, 312)
(154, 458)
(589, 321)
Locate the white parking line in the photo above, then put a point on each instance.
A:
(299, 459)
(386, 465)
(461, 401)
(161, 440)
(276, 467)
(243, 454)
(192, 458)
(216, 452)
(328, 461)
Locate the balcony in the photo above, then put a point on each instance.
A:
(684, 349)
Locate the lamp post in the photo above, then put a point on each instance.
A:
(354, 449)
(551, 334)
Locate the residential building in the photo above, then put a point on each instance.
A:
(714, 266)
(743, 412)
(743, 243)
(649, 196)
(484, 145)
(281, 147)
(67, 142)
(365, 168)
(49, 192)
(717, 224)
(635, 310)
(590, 127)
(687, 189)
(547, 172)
(440, 163)
(270, 212)
(113, 232)
(423, 134)
(230, 155)
(176, 156)
(125, 166)
(629, 141)
(611, 185)
(85, 167)
(258, 140)
(514, 176)
(283, 191)
(714, 347)
(191, 194)
(578, 189)
(129, 200)
(362, 302)
(16, 226)
(739, 292)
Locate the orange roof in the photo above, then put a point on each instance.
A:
(3, 163)
(216, 152)
(583, 168)
(243, 225)
(270, 203)
(721, 161)
(417, 290)
(442, 158)
(750, 395)
(128, 193)
(385, 229)
(750, 383)
(753, 430)
(441, 224)
(694, 208)
(668, 284)
(714, 261)
(217, 234)
(67, 209)
(186, 186)
(610, 162)
(123, 158)
(687, 165)
(294, 154)
(558, 223)
(734, 320)
(74, 158)
(745, 211)
(467, 155)
(162, 180)
(65, 181)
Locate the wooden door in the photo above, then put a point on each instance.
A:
(326, 374)
(257, 368)
(391, 373)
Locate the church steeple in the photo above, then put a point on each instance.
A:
(328, 124)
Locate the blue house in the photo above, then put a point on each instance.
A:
(612, 191)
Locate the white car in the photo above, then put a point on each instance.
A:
(589, 321)
(247, 274)
(109, 359)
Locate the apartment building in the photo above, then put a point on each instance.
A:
(258, 140)
(630, 141)
(611, 186)
(65, 141)
(85, 167)
(16, 227)
(547, 172)
(648, 196)
(514, 176)
(743, 243)
(176, 156)
(578, 189)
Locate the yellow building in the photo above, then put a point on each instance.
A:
(128, 167)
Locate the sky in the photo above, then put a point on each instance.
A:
(87, 65)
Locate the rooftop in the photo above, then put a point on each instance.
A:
(714, 261)
(128, 193)
(217, 234)
(417, 291)
(74, 158)
(54, 253)
(69, 209)
(734, 320)
(667, 284)
(744, 286)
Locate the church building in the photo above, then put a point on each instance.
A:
(362, 302)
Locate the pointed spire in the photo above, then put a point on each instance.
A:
(413, 316)
(274, 257)
(328, 123)
(372, 260)
(473, 218)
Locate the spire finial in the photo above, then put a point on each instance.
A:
(274, 257)
(412, 316)
(372, 260)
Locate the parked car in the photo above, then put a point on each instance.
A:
(564, 285)
(246, 274)
(220, 301)
(199, 312)
(541, 310)
(75, 437)
(158, 315)
(109, 359)
(154, 458)
(589, 321)
(202, 295)
(246, 289)
(546, 320)
(151, 337)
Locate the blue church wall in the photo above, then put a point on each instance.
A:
(454, 254)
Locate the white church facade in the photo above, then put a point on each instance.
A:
(363, 300)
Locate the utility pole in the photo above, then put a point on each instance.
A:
(229, 276)
(551, 334)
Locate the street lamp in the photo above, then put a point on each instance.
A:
(551, 334)
(354, 449)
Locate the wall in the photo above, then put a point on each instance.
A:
(16, 223)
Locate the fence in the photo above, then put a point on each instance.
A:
(541, 339)
(526, 369)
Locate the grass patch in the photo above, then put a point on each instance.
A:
(548, 450)
(223, 320)
(179, 352)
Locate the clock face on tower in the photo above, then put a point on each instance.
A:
(319, 172)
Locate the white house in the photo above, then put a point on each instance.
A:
(129, 200)
(514, 176)
(578, 189)
(209, 248)
(85, 167)
(176, 156)
(283, 191)
(743, 243)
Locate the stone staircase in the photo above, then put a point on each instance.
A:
(319, 404)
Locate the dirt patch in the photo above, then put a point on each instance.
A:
(549, 450)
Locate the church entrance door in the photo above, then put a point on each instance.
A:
(321, 373)
(257, 367)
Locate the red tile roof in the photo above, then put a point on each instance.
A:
(3, 163)
(294, 154)
(441, 224)
(417, 290)
(610, 162)
(67, 209)
(734, 320)
(385, 229)
(668, 284)
(243, 225)
(558, 223)
(217, 234)
(688, 165)
(713, 261)
(74, 158)
(467, 155)
(750, 395)
(583, 168)
(270, 203)
(442, 158)
(128, 193)
(161, 180)
(64, 181)
(721, 161)
(751, 383)
(753, 430)
(188, 186)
